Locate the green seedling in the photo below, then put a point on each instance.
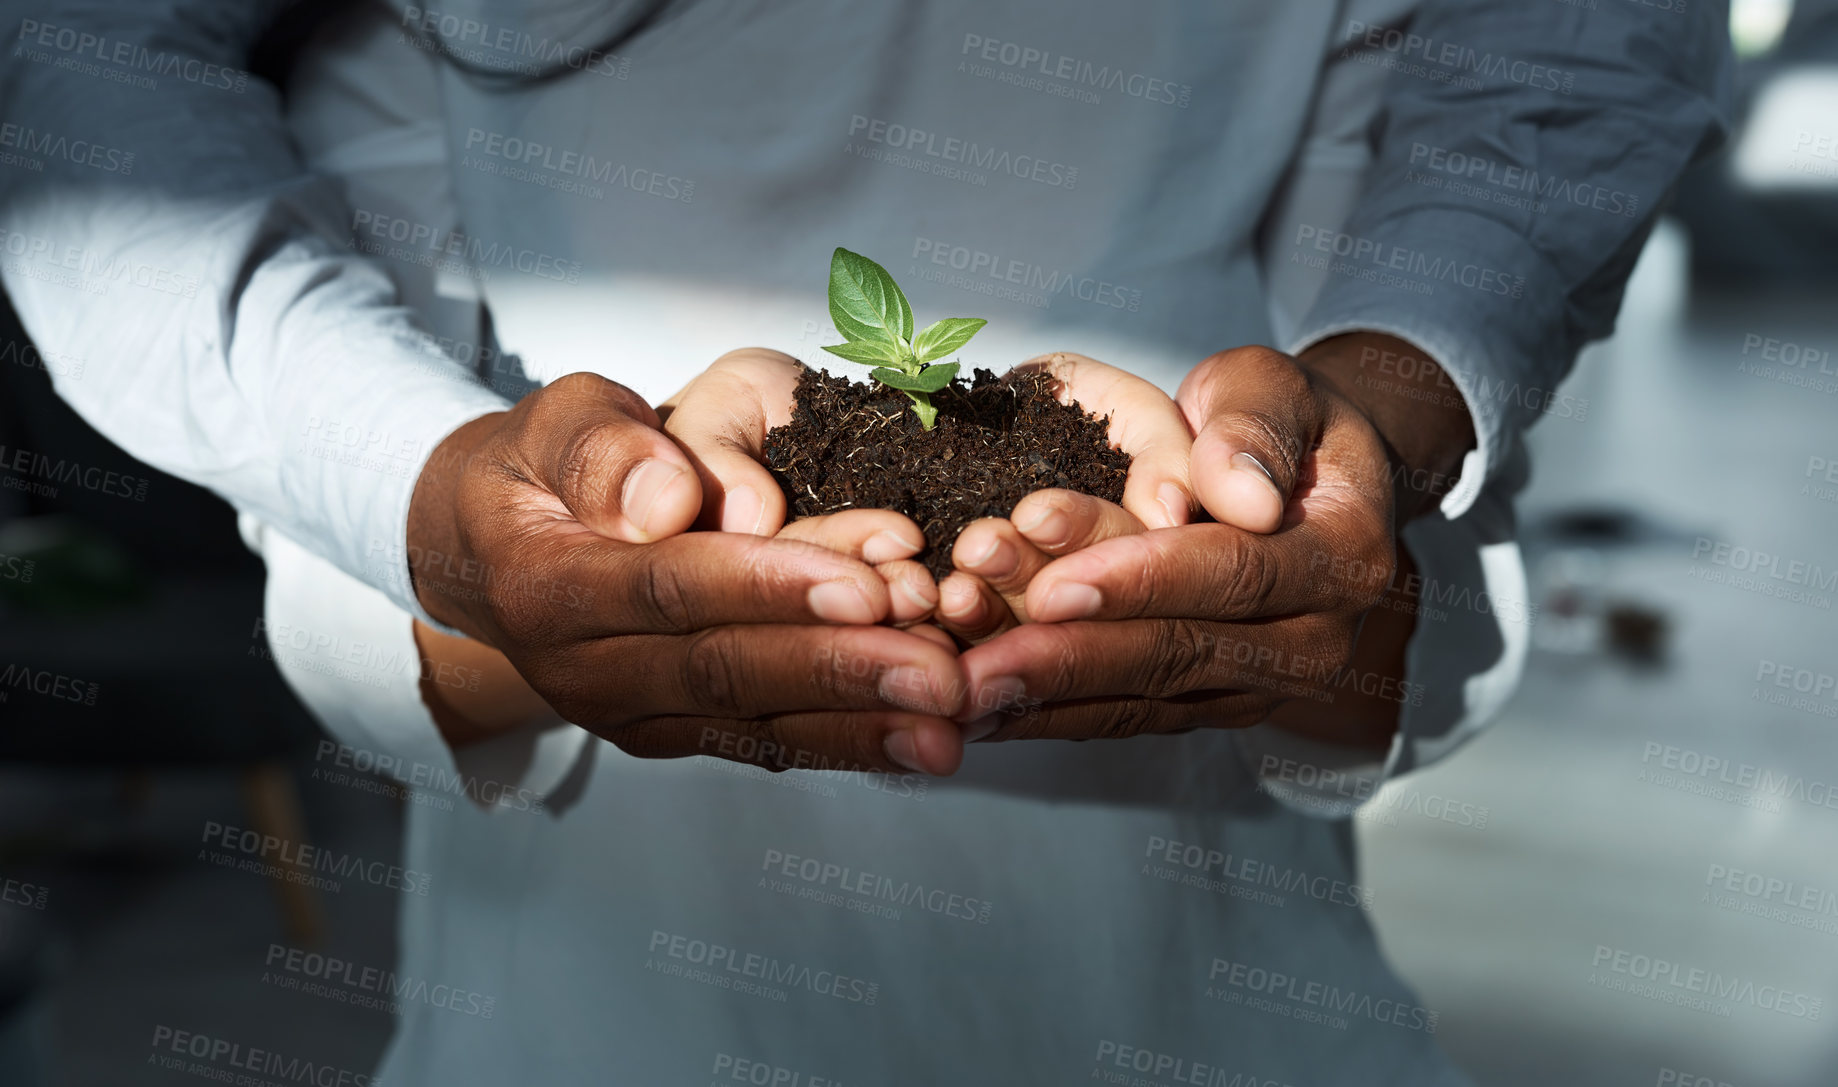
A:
(871, 311)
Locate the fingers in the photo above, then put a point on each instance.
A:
(1365, 713)
(911, 591)
(1040, 663)
(1058, 522)
(594, 444)
(1255, 418)
(698, 580)
(1152, 659)
(933, 633)
(1144, 423)
(1339, 561)
(1004, 554)
(1119, 718)
(970, 609)
(919, 743)
(875, 741)
(746, 671)
(994, 562)
(874, 536)
(721, 420)
(884, 538)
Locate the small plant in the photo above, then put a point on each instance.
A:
(869, 309)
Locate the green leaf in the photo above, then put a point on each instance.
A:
(868, 354)
(934, 378)
(899, 379)
(943, 337)
(866, 304)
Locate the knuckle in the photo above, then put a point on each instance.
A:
(1272, 438)
(587, 450)
(1242, 574)
(1063, 678)
(745, 359)
(1177, 659)
(574, 384)
(664, 598)
(583, 386)
(1154, 583)
(1126, 718)
(713, 673)
(1290, 381)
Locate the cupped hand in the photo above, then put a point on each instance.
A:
(1213, 624)
(555, 532)
(720, 421)
(996, 557)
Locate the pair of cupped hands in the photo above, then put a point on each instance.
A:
(1203, 600)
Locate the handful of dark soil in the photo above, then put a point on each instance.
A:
(851, 445)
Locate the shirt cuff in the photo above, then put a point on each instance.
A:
(1466, 656)
(1469, 291)
(349, 654)
(361, 455)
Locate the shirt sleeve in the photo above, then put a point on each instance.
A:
(349, 654)
(1521, 153)
(159, 226)
(1465, 658)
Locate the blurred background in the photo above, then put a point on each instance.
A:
(1664, 784)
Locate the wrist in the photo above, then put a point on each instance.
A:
(1362, 714)
(1410, 401)
(472, 692)
(442, 573)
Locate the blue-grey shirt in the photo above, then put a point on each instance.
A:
(289, 304)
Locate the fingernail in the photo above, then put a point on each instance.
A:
(980, 728)
(643, 487)
(906, 687)
(996, 695)
(1173, 502)
(983, 553)
(1032, 519)
(1000, 560)
(958, 598)
(903, 750)
(914, 596)
(742, 511)
(840, 602)
(888, 545)
(1048, 526)
(1069, 600)
(1245, 462)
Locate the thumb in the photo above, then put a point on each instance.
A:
(596, 446)
(720, 419)
(1143, 423)
(1255, 418)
